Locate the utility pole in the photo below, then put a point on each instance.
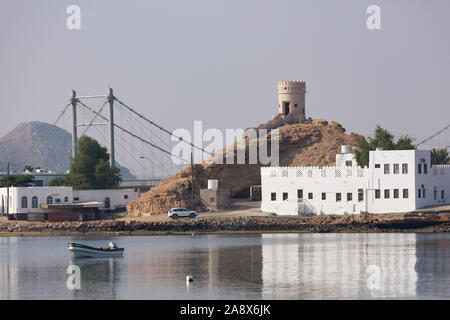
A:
(74, 124)
(7, 190)
(111, 125)
(192, 179)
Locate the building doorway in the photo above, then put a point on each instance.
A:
(286, 108)
(107, 203)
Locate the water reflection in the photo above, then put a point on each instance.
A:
(8, 269)
(338, 266)
(433, 266)
(98, 278)
(269, 266)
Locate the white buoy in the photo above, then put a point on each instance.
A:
(189, 278)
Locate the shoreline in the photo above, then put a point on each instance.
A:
(429, 223)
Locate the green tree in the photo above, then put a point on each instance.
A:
(58, 182)
(25, 180)
(382, 139)
(440, 156)
(90, 168)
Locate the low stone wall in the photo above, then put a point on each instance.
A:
(351, 223)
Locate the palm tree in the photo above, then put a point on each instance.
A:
(440, 156)
(382, 139)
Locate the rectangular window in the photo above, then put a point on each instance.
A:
(396, 168)
(377, 194)
(212, 199)
(24, 202)
(310, 196)
(360, 195)
(348, 163)
(338, 197)
(404, 168)
(273, 196)
(285, 196)
(442, 194)
(300, 194)
(396, 193)
(386, 168)
(435, 193)
(423, 193)
(349, 196)
(419, 193)
(425, 168)
(76, 199)
(386, 194)
(419, 168)
(377, 166)
(125, 196)
(324, 196)
(405, 194)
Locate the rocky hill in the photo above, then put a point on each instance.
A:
(17, 146)
(313, 143)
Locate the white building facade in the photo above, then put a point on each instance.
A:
(395, 181)
(29, 199)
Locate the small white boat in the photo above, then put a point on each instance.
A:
(81, 250)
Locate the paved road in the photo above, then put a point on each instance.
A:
(239, 208)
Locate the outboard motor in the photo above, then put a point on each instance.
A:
(112, 245)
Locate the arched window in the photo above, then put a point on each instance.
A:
(24, 202)
(34, 202)
(49, 200)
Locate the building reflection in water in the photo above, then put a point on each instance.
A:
(99, 277)
(338, 266)
(433, 266)
(268, 266)
(8, 269)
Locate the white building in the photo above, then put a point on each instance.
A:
(30, 199)
(395, 181)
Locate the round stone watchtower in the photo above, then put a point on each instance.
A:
(291, 99)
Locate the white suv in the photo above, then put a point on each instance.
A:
(174, 213)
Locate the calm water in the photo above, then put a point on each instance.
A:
(269, 266)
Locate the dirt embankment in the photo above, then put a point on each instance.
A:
(314, 224)
(314, 143)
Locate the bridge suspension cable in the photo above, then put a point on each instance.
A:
(132, 134)
(160, 127)
(434, 135)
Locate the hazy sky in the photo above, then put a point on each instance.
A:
(219, 61)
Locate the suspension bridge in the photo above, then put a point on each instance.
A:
(134, 141)
(141, 144)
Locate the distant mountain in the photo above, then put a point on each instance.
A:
(17, 146)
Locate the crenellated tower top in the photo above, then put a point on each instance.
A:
(291, 99)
